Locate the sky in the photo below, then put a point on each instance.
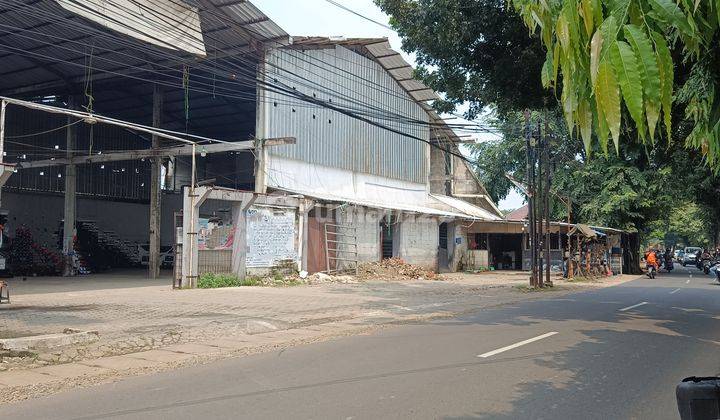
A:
(321, 18)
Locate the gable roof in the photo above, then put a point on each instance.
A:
(518, 214)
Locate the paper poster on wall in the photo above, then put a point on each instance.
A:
(203, 231)
(270, 237)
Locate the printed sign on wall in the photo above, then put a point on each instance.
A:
(270, 237)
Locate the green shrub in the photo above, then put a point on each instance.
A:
(214, 281)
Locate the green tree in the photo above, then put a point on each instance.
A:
(481, 53)
(606, 56)
(474, 51)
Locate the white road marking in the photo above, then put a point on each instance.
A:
(688, 281)
(633, 306)
(516, 345)
(675, 291)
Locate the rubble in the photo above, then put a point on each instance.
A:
(394, 269)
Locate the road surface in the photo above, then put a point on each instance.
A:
(613, 353)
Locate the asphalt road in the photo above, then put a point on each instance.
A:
(615, 353)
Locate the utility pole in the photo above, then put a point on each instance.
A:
(546, 157)
(539, 205)
(155, 188)
(531, 200)
(70, 202)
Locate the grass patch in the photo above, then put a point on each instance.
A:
(214, 281)
(275, 279)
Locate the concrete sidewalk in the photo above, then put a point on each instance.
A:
(149, 327)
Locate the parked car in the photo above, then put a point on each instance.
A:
(691, 254)
(678, 255)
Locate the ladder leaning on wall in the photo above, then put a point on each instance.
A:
(341, 249)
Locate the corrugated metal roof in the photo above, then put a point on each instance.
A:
(414, 208)
(166, 23)
(46, 36)
(436, 205)
(465, 207)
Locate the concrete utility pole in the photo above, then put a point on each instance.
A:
(155, 189)
(3, 110)
(546, 205)
(531, 198)
(70, 206)
(539, 202)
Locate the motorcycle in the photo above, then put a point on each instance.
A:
(669, 265)
(651, 271)
(706, 264)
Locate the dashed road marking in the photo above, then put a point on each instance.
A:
(633, 306)
(516, 345)
(688, 281)
(675, 291)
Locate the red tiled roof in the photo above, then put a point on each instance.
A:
(518, 214)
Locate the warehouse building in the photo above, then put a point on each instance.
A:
(316, 152)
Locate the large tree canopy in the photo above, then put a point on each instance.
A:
(474, 51)
(481, 52)
(615, 52)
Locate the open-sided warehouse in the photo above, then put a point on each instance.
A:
(110, 192)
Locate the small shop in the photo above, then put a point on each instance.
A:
(505, 245)
(595, 252)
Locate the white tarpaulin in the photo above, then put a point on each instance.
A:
(170, 24)
(270, 236)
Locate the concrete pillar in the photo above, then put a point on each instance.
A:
(3, 111)
(155, 189)
(190, 240)
(192, 200)
(239, 253)
(70, 206)
(260, 167)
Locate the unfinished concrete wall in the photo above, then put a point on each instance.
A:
(418, 240)
(367, 222)
(466, 183)
(437, 175)
(458, 234)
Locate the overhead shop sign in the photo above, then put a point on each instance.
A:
(170, 24)
(270, 237)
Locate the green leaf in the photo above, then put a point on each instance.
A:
(602, 128)
(667, 80)
(669, 12)
(547, 70)
(649, 74)
(626, 67)
(607, 95)
(609, 30)
(563, 32)
(586, 8)
(569, 102)
(585, 117)
(595, 48)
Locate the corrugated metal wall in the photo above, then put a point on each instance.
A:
(329, 138)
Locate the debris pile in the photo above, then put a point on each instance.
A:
(394, 269)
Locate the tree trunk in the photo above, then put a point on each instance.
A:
(631, 246)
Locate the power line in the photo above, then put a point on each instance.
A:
(304, 97)
(347, 9)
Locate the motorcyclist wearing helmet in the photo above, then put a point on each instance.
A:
(651, 259)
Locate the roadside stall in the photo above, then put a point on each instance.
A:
(590, 251)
